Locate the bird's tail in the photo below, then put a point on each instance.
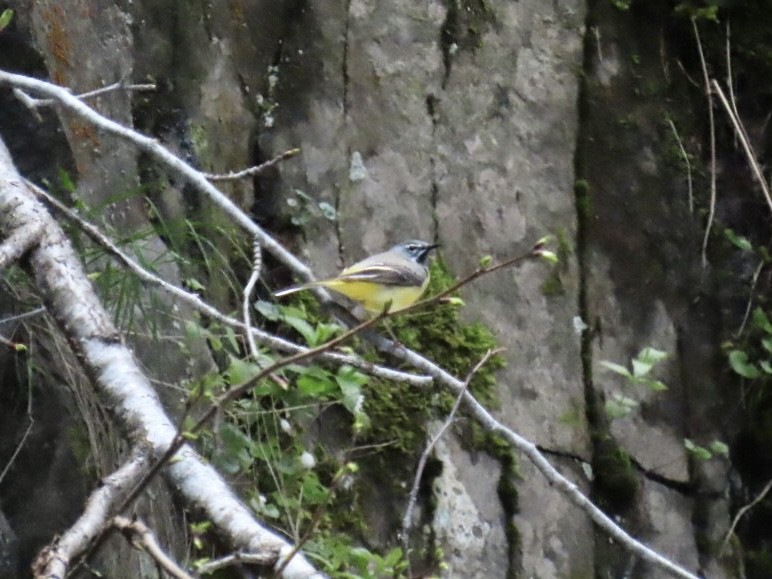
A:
(293, 289)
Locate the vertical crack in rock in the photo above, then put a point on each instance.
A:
(345, 97)
(431, 109)
(448, 38)
(344, 60)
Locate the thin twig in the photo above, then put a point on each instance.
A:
(23, 316)
(18, 448)
(729, 82)
(712, 130)
(741, 513)
(534, 252)
(413, 497)
(143, 538)
(741, 135)
(688, 163)
(257, 262)
(315, 518)
(33, 103)
(747, 315)
(252, 171)
(261, 559)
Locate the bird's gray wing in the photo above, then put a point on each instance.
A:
(410, 275)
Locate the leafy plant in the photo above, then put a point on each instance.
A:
(638, 374)
(754, 360)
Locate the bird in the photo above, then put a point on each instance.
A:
(395, 278)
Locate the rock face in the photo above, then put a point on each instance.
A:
(485, 126)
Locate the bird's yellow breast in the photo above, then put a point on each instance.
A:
(374, 296)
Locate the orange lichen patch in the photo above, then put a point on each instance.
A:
(58, 42)
(237, 10)
(84, 133)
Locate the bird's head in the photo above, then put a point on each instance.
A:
(415, 250)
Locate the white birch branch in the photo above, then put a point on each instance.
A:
(54, 560)
(72, 302)
(153, 148)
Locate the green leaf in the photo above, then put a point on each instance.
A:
(655, 385)
(314, 492)
(641, 368)
(766, 366)
(268, 310)
(351, 381)
(738, 240)
(328, 211)
(304, 329)
(549, 256)
(317, 382)
(5, 18)
(720, 448)
(697, 451)
(393, 557)
(194, 285)
(619, 406)
(325, 332)
(651, 355)
(761, 321)
(738, 360)
(619, 369)
(767, 343)
(486, 260)
(194, 330)
(239, 371)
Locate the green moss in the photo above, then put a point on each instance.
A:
(759, 563)
(200, 141)
(616, 481)
(439, 334)
(582, 194)
(508, 495)
(552, 286)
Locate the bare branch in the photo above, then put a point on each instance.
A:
(741, 513)
(237, 559)
(252, 171)
(712, 131)
(19, 241)
(749, 307)
(143, 538)
(54, 560)
(18, 448)
(257, 262)
(746, 145)
(687, 162)
(413, 497)
(23, 316)
(33, 103)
